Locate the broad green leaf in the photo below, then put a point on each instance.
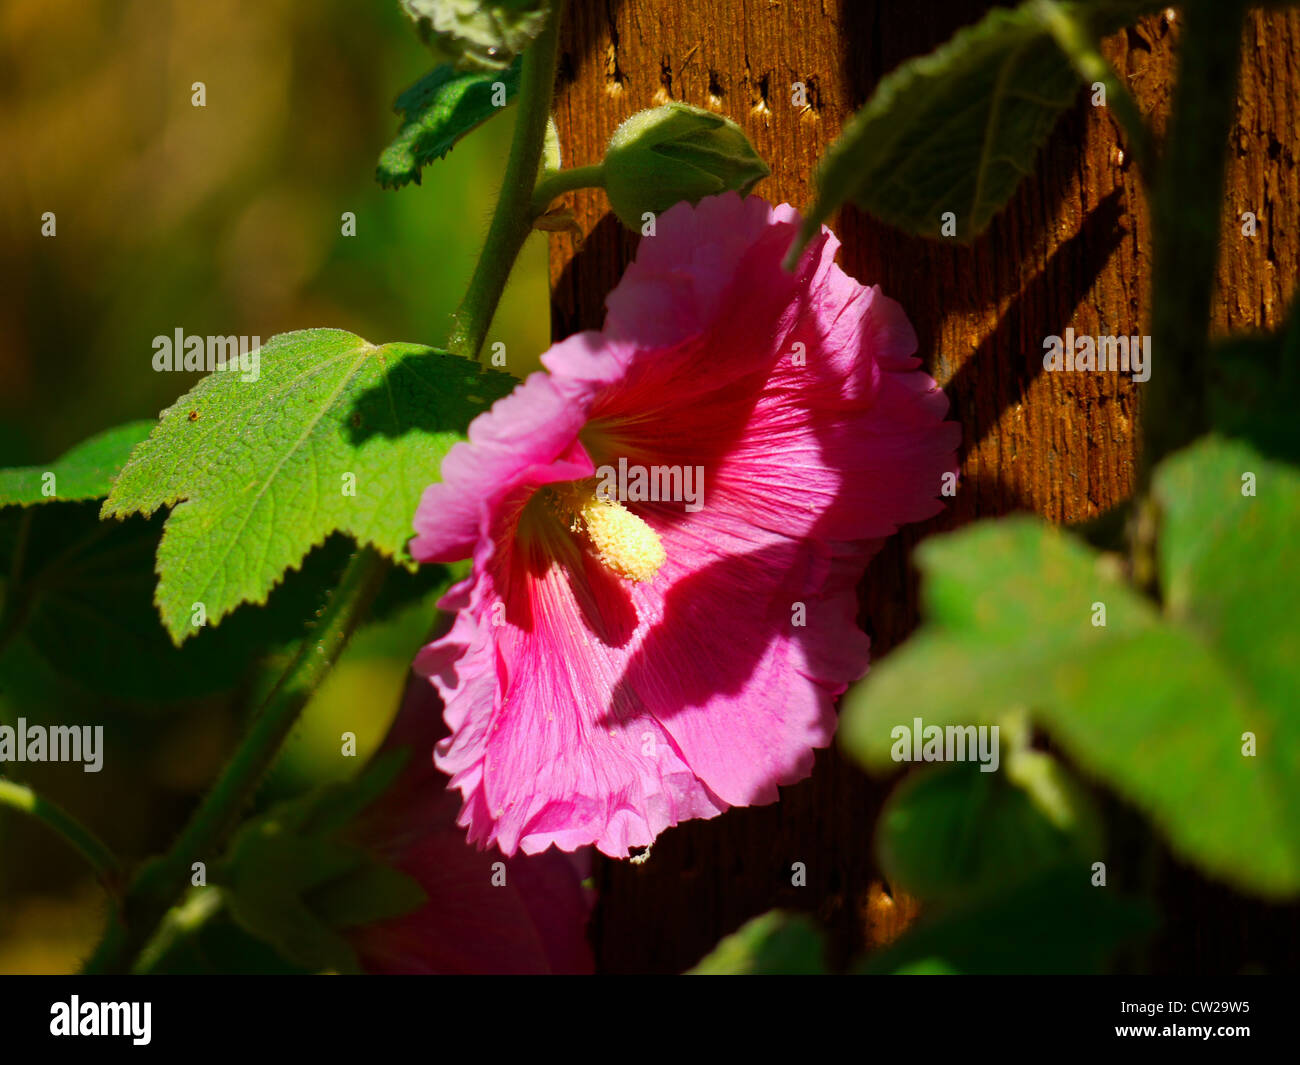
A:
(953, 131)
(477, 34)
(775, 943)
(258, 472)
(1055, 922)
(950, 831)
(958, 129)
(84, 472)
(1254, 387)
(1229, 575)
(1145, 702)
(437, 111)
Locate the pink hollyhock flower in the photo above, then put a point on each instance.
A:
(473, 923)
(616, 667)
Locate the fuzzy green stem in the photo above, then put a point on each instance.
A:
(183, 920)
(557, 182)
(75, 834)
(1081, 46)
(513, 219)
(1186, 211)
(159, 882)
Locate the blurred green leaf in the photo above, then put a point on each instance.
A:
(951, 831)
(82, 600)
(1228, 574)
(255, 472)
(1254, 388)
(953, 131)
(437, 111)
(79, 592)
(1055, 922)
(775, 943)
(958, 129)
(1156, 706)
(264, 882)
(220, 946)
(293, 881)
(477, 34)
(84, 472)
(331, 807)
(926, 967)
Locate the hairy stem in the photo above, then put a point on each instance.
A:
(78, 836)
(183, 920)
(558, 182)
(137, 935)
(159, 882)
(513, 219)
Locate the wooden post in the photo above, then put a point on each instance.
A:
(1072, 249)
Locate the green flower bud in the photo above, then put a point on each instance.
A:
(676, 152)
(477, 34)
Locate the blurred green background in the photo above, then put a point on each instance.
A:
(217, 220)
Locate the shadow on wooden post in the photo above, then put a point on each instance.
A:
(1071, 249)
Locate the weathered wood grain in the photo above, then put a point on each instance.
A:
(1073, 248)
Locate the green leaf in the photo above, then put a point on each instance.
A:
(676, 152)
(256, 472)
(65, 572)
(1055, 922)
(953, 131)
(1228, 570)
(331, 807)
(84, 472)
(775, 943)
(1254, 388)
(1157, 706)
(219, 946)
(81, 600)
(437, 111)
(292, 880)
(951, 831)
(264, 882)
(477, 34)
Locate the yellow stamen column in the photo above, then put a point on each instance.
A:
(622, 542)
